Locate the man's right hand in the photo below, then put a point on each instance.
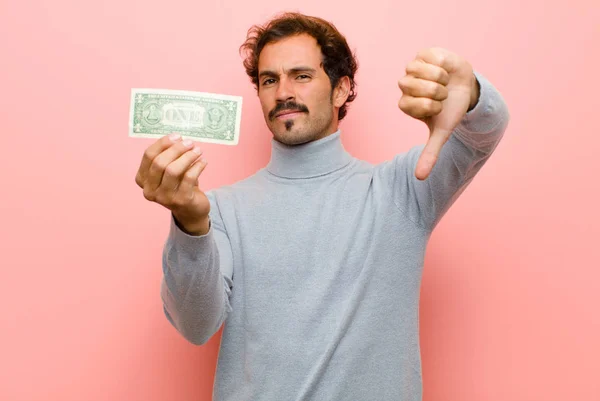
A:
(168, 174)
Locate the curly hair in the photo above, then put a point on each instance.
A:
(338, 60)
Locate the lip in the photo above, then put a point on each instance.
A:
(288, 114)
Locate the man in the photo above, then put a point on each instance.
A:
(314, 262)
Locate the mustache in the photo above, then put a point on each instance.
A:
(287, 106)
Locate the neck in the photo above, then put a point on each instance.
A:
(312, 159)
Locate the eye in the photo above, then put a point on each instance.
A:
(303, 76)
(268, 81)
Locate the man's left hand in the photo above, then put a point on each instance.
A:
(438, 89)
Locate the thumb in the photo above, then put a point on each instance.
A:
(441, 127)
(431, 152)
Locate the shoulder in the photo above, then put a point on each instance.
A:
(402, 162)
(228, 193)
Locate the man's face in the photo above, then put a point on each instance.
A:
(295, 92)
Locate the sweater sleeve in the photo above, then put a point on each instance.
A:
(469, 147)
(197, 278)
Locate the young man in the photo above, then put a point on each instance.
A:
(314, 262)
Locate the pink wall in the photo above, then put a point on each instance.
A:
(511, 288)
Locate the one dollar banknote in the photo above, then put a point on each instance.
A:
(203, 117)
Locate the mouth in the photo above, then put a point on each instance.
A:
(288, 114)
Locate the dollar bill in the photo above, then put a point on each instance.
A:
(200, 116)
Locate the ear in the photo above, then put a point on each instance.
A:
(341, 91)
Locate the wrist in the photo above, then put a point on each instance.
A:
(475, 92)
(192, 226)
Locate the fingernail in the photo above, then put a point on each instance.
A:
(174, 136)
(187, 142)
(197, 150)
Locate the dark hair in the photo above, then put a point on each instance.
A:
(338, 60)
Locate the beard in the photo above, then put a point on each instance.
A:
(303, 128)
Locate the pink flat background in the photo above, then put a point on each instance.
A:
(510, 296)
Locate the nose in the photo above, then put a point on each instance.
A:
(285, 90)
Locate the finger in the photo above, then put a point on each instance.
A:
(431, 72)
(177, 168)
(190, 178)
(160, 163)
(419, 107)
(151, 152)
(418, 87)
(439, 57)
(430, 155)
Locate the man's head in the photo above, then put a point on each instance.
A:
(303, 71)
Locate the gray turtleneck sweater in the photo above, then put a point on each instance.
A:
(314, 266)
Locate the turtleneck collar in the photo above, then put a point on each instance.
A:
(311, 159)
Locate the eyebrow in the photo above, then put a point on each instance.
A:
(295, 70)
